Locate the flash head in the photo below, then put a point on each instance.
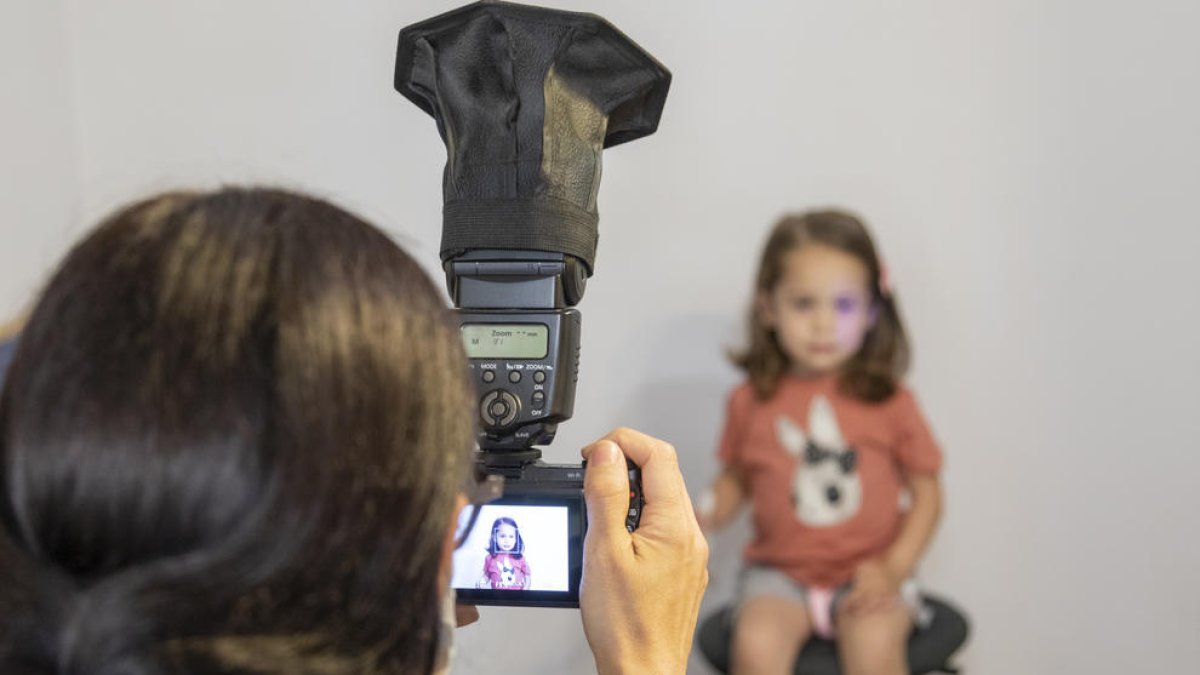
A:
(525, 99)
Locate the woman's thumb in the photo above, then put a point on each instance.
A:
(606, 489)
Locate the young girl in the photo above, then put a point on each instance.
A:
(505, 567)
(824, 441)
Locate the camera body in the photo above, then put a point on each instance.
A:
(543, 504)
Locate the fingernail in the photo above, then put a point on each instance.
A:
(605, 452)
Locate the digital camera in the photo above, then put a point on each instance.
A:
(526, 547)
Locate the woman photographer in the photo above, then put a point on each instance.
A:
(233, 438)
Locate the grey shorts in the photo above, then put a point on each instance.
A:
(761, 580)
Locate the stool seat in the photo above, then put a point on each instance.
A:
(929, 649)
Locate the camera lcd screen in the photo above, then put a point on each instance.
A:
(505, 341)
(521, 551)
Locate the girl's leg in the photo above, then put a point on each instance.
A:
(875, 643)
(768, 636)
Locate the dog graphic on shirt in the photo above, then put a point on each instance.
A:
(508, 574)
(826, 489)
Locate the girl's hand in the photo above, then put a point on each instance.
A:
(717, 507)
(876, 587)
(641, 591)
(705, 511)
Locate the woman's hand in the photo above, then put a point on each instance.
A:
(641, 591)
(465, 615)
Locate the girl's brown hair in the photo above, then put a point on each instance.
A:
(231, 440)
(872, 374)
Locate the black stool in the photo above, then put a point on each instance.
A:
(929, 649)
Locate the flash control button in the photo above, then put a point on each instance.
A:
(499, 409)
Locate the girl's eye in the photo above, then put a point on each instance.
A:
(846, 305)
(801, 304)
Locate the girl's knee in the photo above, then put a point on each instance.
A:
(758, 634)
(767, 635)
(875, 631)
(756, 652)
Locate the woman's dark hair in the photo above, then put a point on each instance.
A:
(230, 441)
(494, 548)
(874, 373)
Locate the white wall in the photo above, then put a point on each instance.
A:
(1027, 166)
(39, 188)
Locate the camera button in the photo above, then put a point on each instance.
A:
(512, 405)
(499, 408)
(539, 397)
(514, 376)
(485, 407)
(539, 376)
(489, 375)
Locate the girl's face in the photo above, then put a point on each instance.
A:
(821, 309)
(506, 537)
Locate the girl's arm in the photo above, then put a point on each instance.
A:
(723, 501)
(525, 583)
(918, 526)
(485, 581)
(877, 581)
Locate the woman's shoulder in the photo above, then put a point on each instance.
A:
(10, 328)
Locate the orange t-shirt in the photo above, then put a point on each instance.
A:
(825, 473)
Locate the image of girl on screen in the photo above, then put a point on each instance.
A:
(505, 567)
